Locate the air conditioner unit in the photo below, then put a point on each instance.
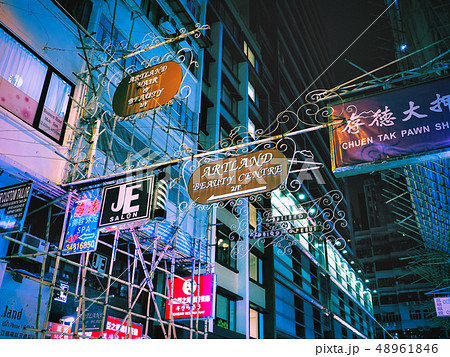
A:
(168, 25)
(33, 241)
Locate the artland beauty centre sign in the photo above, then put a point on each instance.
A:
(394, 124)
(238, 176)
(147, 89)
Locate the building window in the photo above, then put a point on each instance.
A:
(228, 100)
(256, 268)
(225, 246)
(251, 57)
(256, 324)
(251, 129)
(116, 44)
(80, 10)
(415, 314)
(225, 312)
(28, 81)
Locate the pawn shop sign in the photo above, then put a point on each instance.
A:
(238, 176)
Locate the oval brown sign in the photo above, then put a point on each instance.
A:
(238, 176)
(147, 89)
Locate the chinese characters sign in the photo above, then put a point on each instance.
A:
(442, 305)
(198, 292)
(14, 202)
(82, 234)
(238, 176)
(117, 329)
(147, 89)
(392, 125)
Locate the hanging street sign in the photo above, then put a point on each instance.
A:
(147, 89)
(127, 204)
(290, 217)
(391, 129)
(82, 233)
(238, 176)
(278, 232)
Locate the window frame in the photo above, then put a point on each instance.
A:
(51, 71)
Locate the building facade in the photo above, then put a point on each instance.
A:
(58, 107)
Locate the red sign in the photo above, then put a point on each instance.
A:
(61, 329)
(199, 294)
(117, 329)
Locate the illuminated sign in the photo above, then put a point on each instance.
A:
(59, 331)
(442, 305)
(290, 217)
(128, 203)
(277, 233)
(392, 125)
(238, 176)
(14, 201)
(198, 293)
(82, 233)
(117, 329)
(147, 89)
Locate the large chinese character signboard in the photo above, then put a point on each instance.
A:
(442, 305)
(197, 293)
(385, 130)
(82, 233)
(127, 204)
(14, 201)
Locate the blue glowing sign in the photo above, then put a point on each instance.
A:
(82, 233)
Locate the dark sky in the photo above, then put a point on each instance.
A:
(344, 21)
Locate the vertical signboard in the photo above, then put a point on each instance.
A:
(199, 292)
(393, 125)
(442, 305)
(82, 233)
(126, 204)
(14, 201)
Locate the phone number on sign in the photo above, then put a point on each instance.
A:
(80, 245)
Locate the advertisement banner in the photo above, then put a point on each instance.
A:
(14, 201)
(60, 331)
(127, 204)
(393, 125)
(442, 305)
(117, 329)
(19, 304)
(197, 292)
(82, 233)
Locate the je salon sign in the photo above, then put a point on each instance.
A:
(127, 203)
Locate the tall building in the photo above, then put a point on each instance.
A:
(400, 214)
(78, 101)
(303, 286)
